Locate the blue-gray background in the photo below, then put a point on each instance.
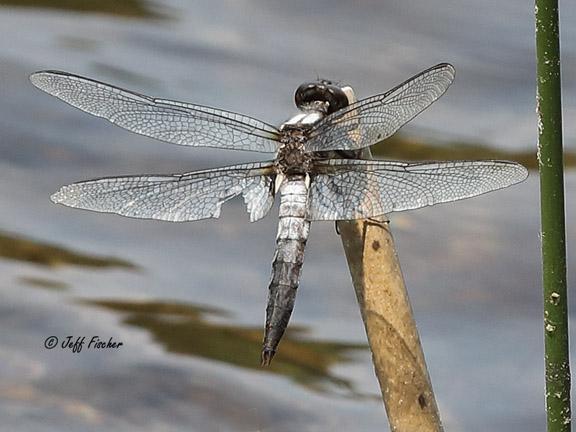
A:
(472, 268)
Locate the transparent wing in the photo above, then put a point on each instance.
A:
(177, 198)
(371, 120)
(357, 189)
(170, 121)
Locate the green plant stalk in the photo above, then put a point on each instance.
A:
(550, 160)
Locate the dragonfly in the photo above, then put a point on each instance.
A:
(317, 170)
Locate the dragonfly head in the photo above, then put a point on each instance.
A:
(309, 94)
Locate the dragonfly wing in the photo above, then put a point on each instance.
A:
(170, 121)
(376, 118)
(177, 198)
(358, 189)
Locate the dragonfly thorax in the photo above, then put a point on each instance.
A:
(292, 157)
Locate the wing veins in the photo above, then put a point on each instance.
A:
(190, 196)
(122, 107)
(352, 189)
(375, 118)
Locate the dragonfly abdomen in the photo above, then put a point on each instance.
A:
(293, 229)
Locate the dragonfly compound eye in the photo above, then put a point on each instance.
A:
(321, 91)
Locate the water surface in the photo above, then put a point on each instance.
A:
(188, 300)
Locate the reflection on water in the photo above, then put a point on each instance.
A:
(14, 247)
(186, 329)
(44, 283)
(125, 8)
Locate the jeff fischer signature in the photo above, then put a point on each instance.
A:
(77, 343)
